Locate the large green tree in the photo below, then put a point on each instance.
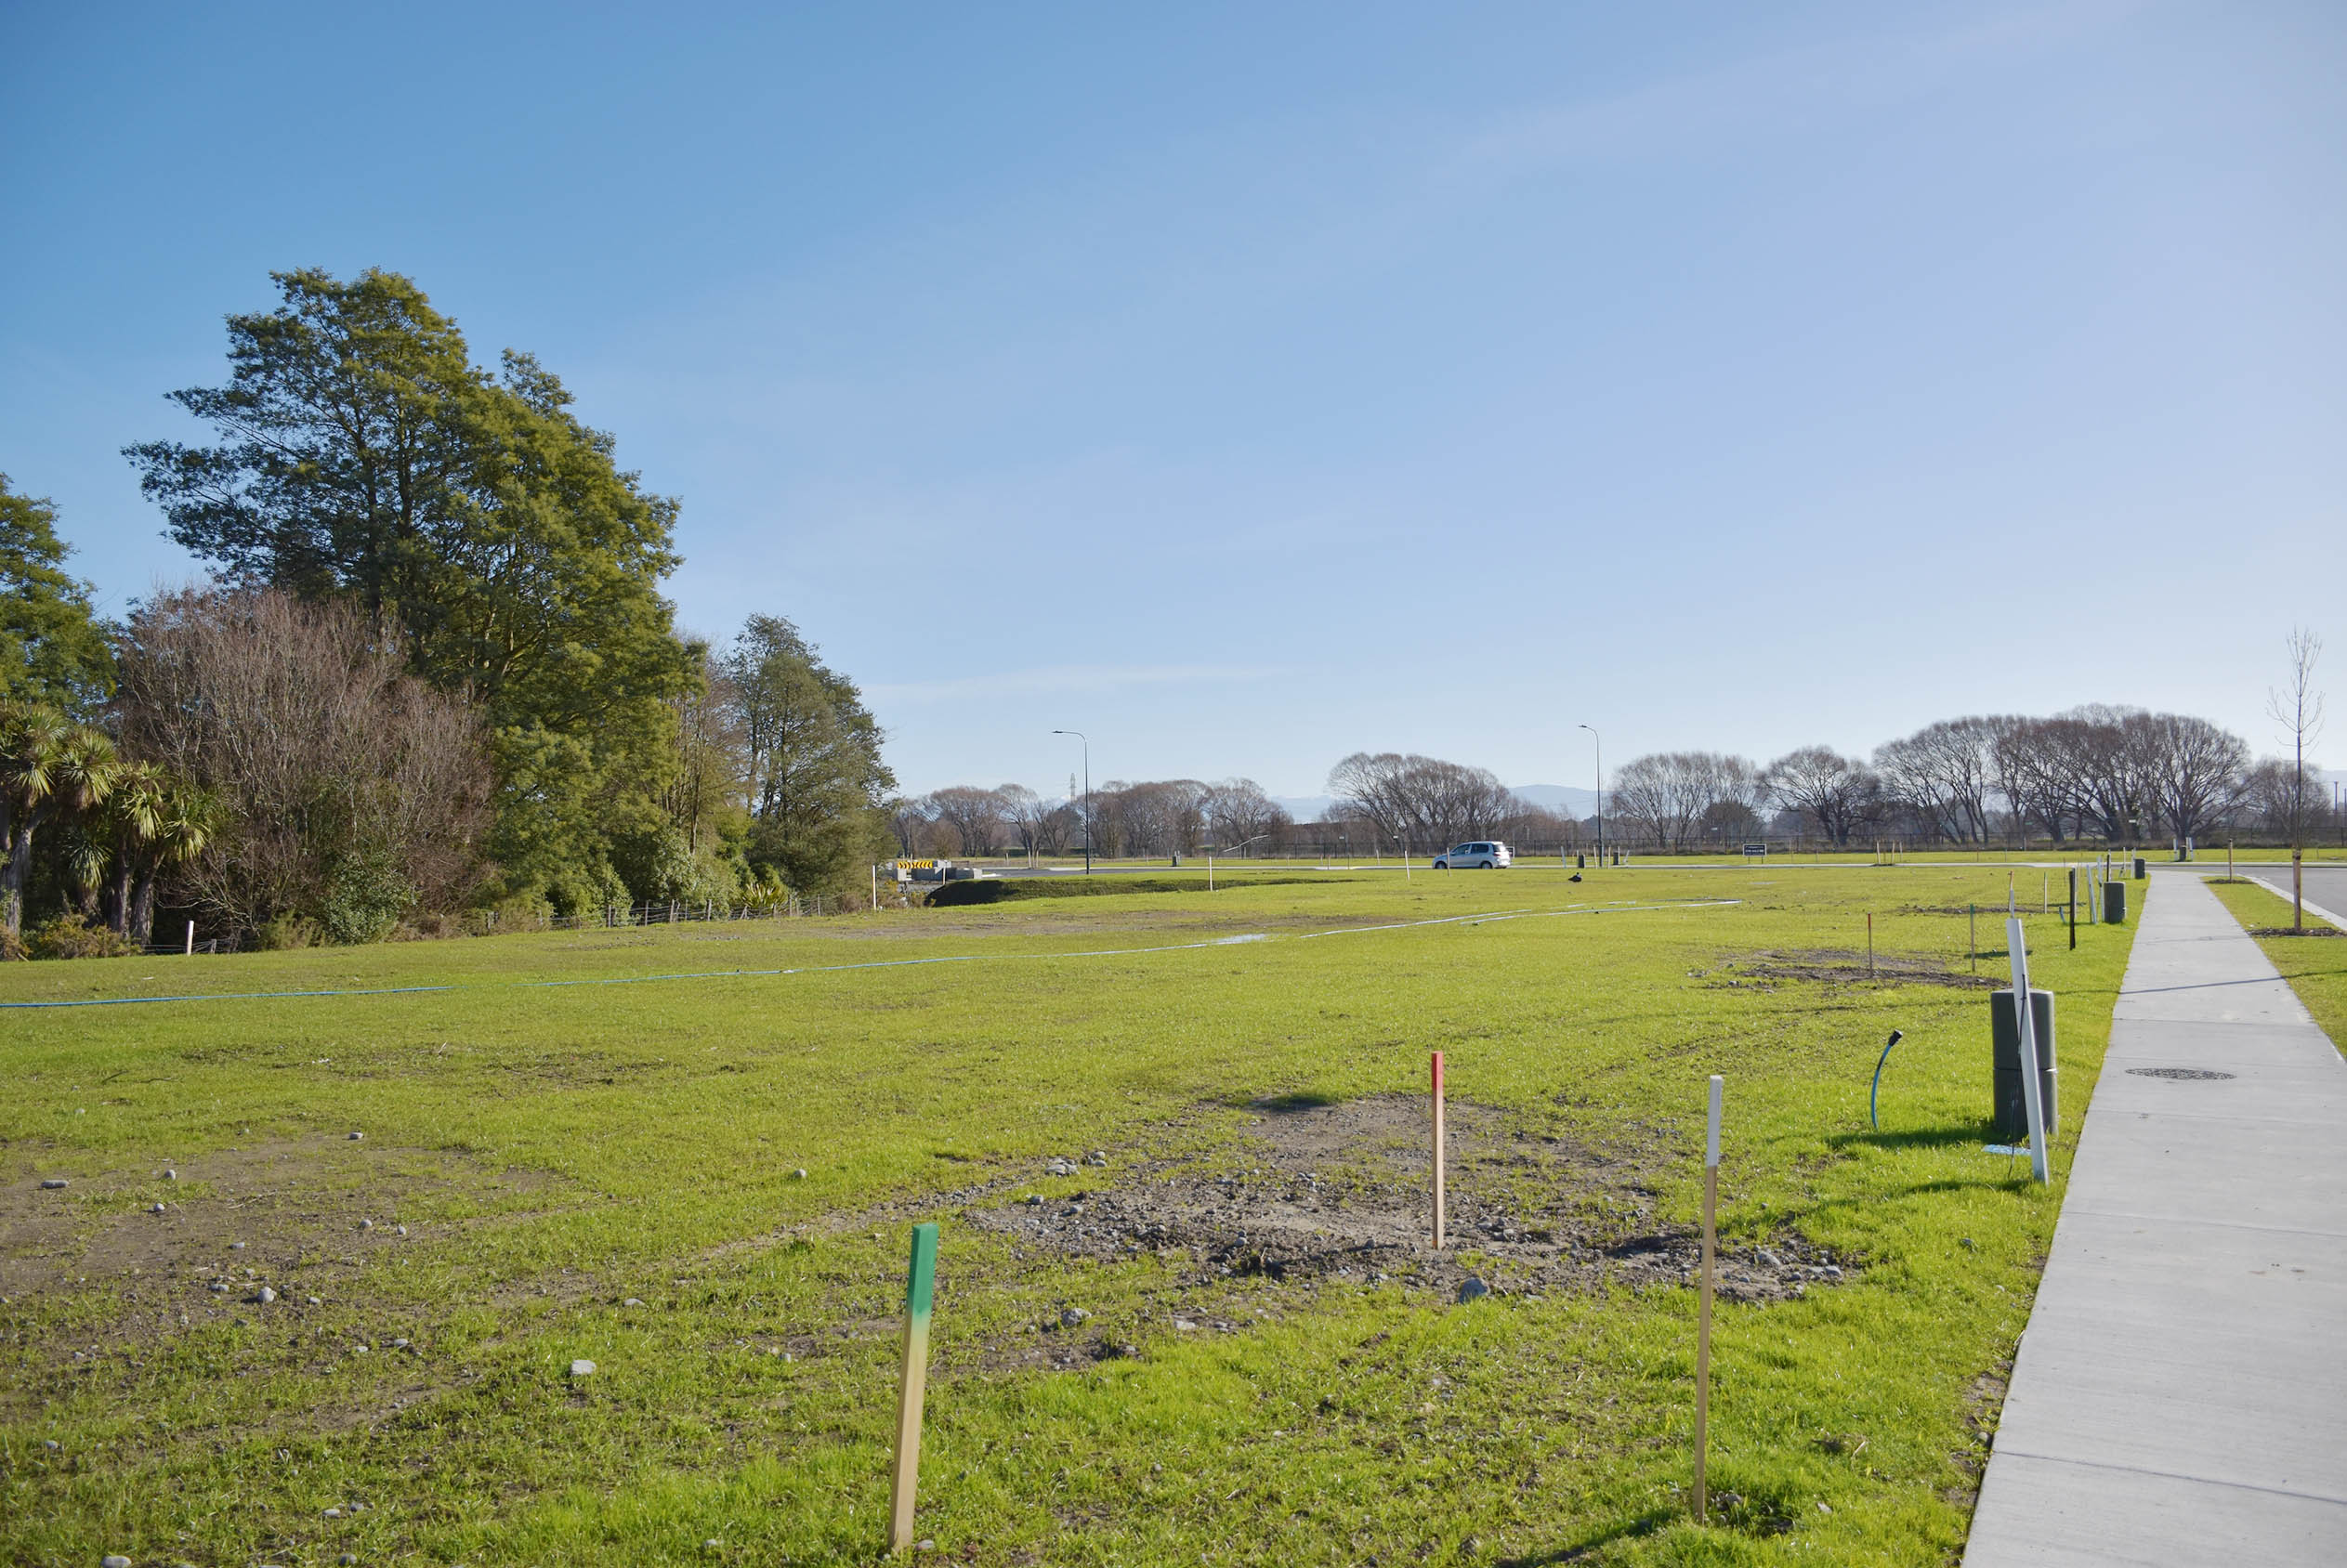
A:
(363, 457)
(816, 779)
(52, 648)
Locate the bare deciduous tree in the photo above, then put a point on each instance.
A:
(348, 788)
(1237, 810)
(2298, 707)
(1425, 802)
(1833, 792)
(1669, 793)
(973, 815)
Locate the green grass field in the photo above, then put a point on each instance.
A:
(537, 1157)
(2315, 966)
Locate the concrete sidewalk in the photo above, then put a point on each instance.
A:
(2181, 1393)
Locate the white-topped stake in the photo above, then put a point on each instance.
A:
(2032, 1088)
(1703, 1302)
(1712, 1130)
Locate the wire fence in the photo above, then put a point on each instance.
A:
(616, 917)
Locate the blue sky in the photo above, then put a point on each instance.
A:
(1250, 385)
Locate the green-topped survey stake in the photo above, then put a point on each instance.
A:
(920, 1288)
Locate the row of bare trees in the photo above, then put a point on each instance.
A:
(1163, 816)
(2094, 774)
(2101, 773)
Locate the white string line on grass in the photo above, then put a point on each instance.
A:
(873, 963)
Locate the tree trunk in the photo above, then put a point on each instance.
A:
(14, 866)
(142, 910)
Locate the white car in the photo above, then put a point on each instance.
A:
(1487, 854)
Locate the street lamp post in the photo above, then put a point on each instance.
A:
(1601, 790)
(1087, 744)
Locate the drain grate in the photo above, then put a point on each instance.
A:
(2177, 1073)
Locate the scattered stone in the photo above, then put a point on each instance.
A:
(347, 1558)
(113, 1560)
(1058, 1167)
(1473, 1289)
(403, 1230)
(366, 1224)
(236, 1247)
(923, 1544)
(219, 1286)
(1770, 1259)
(713, 1543)
(313, 1301)
(333, 1513)
(399, 1345)
(632, 1302)
(800, 1174)
(1965, 1241)
(1183, 1324)
(1157, 1470)
(582, 1369)
(53, 1182)
(1072, 1317)
(1034, 1200)
(1823, 1508)
(1833, 1271)
(266, 1295)
(50, 1443)
(356, 1136)
(170, 1175)
(156, 1209)
(1098, 1158)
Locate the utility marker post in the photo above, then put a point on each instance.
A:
(2074, 909)
(1869, 943)
(1703, 1302)
(2032, 1087)
(1971, 935)
(1438, 1150)
(191, 939)
(920, 1291)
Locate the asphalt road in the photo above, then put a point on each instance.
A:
(2325, 885)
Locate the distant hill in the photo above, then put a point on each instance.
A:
(1560, 797)
(1555, 797)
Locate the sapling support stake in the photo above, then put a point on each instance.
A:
(1869, 943)
(1438, 1149)
(920, 1291)
(1703, 1302)
(2074, 909)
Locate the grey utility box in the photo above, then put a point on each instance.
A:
(2115, 902)
(2141, 870)
(2004, 1032)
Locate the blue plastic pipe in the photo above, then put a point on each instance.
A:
(1874, 1089)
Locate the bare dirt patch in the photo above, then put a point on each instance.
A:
(1339, 1192)
(1834, 966)
(302, 1218)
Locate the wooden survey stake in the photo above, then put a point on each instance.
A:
(920, 1289)
(1703, 1302)
(1440, 1160)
